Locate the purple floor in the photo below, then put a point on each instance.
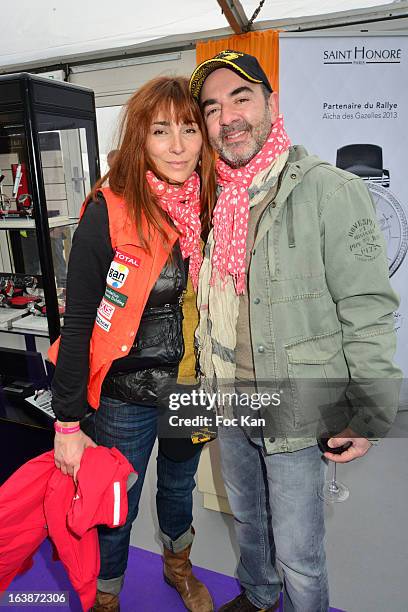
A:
(144, 589)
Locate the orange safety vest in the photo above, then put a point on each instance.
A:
(131, 277)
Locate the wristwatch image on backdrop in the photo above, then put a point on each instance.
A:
(366, 161)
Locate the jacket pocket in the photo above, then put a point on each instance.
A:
(159, 340)
(318, 377)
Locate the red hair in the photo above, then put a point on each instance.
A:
(127, 176)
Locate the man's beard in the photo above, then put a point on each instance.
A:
(259, 133)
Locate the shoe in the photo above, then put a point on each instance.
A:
(178, 574)
(242, 604)
(106, 602)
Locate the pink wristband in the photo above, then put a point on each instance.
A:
(66, 430)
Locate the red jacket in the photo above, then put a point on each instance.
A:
(132, 275)
(38, 500)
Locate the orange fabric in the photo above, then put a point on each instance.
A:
(263, 45)
(131, 277)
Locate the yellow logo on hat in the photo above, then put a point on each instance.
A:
(229, 55)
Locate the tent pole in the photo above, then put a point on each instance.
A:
(235, 15)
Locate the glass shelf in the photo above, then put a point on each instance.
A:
(48, 163)
(27, 223)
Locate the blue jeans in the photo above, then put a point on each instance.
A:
(279, 517)
(132, 429)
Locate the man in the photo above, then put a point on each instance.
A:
(294, 288)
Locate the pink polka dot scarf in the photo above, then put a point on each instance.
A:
(231, 212)
(182, 203)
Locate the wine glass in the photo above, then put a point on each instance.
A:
(333, 491)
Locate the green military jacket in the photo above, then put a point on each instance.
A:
(321, 304)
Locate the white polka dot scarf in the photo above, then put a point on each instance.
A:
(182, 203)
(231, 212)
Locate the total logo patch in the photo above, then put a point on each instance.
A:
(102, 322)
(117, 275)
(106, 309)
(130, 260)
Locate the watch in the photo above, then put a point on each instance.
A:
(366, 160)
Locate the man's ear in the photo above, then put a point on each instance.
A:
(273, 104)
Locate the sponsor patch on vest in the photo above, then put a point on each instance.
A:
(115, 297)
(106, 309)
(129, 260)
(103, 323)
(117, 275)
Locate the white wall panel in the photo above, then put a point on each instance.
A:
(114, 86)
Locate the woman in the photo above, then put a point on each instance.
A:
(122, 337)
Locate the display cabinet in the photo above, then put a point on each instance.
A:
(48, 162)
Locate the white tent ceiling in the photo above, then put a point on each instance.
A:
(54, 31)
(282, 9)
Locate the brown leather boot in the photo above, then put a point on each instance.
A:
(178, 574)
(106, 602)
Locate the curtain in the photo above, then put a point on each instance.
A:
(264, 45)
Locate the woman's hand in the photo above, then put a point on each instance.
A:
(68, 451)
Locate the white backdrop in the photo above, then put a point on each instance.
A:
(340, 90)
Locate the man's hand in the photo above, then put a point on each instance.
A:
(358, 448)
(68, 451)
